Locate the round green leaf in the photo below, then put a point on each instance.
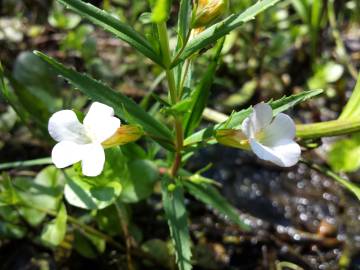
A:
(140, 183)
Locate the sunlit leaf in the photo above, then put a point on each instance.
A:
(222, 28)
(352, 108)
(113, 25)
(100, 191)
(236, 119)
(54, 232)
(199, 97)
(124, 107)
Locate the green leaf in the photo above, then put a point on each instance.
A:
(242, 96)
(236, 119)
(140, 183)
(44, 192)
(108, 220)
(115, 26)
(175, 211)
(302, 10)
(58, 18)
(54, 232)
(222, 28)
(179, 108)
(9, 230)
(329, 72)
(344, 154)
(35, 75)
(100, 191)
(159, 250)
(124, 107)
(209, 195)
(184, 21)
(88, 245)
(10, 97)
(352, 108)
(36, 110)
(8, 194)
(200, 96)
(160, 11)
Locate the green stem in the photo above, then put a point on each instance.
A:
(26, 163)
(128, 241)
(328, 129)
(174, 95)
(165, 50)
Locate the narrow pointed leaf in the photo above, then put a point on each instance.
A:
(175, 211)
(222, 28)
(113, 25)
(236, 119)
(352, 108)
(200, 96)
(124, 107)
(184, 21)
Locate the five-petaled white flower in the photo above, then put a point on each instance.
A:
(82, 142)
(272, 140)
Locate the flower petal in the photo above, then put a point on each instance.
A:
(64, 126)
(97, 110)
(259, 119)
(93, 159)
(282, 128)
(286, 154)
(100, 123)
(66, 153)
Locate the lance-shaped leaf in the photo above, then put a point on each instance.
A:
(184, 21)
(352, 108)
(175, 211)
(124, 107)
(235, 120)
(222, 28)
(200, 96)
(115, 26)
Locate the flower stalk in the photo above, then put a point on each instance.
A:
(328, 129)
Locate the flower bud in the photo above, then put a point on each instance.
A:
(124, 134)
(209, 10)
(233, 138)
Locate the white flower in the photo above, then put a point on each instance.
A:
(82, 142)
(272, 140)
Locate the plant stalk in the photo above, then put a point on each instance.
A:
(174, 95)
(328, 129)
(166, 55)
